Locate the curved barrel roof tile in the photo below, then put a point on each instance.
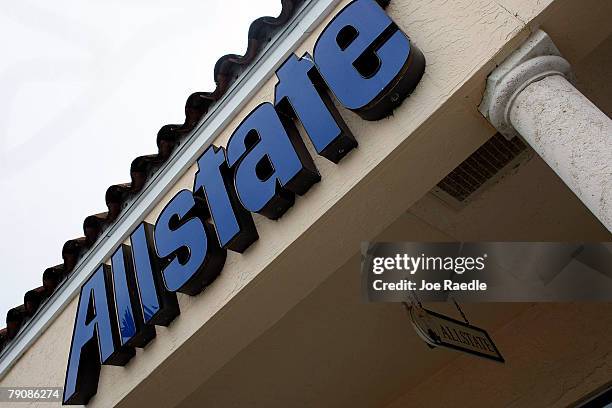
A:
(227, 70)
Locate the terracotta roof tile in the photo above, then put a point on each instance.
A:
(227, 70)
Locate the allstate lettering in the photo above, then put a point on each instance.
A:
(366, 62)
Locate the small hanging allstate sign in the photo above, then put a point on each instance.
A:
(442, 331)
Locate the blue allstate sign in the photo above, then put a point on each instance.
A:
(366, 62)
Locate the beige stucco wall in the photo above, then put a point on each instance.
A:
(398, 160)
(556, 354)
